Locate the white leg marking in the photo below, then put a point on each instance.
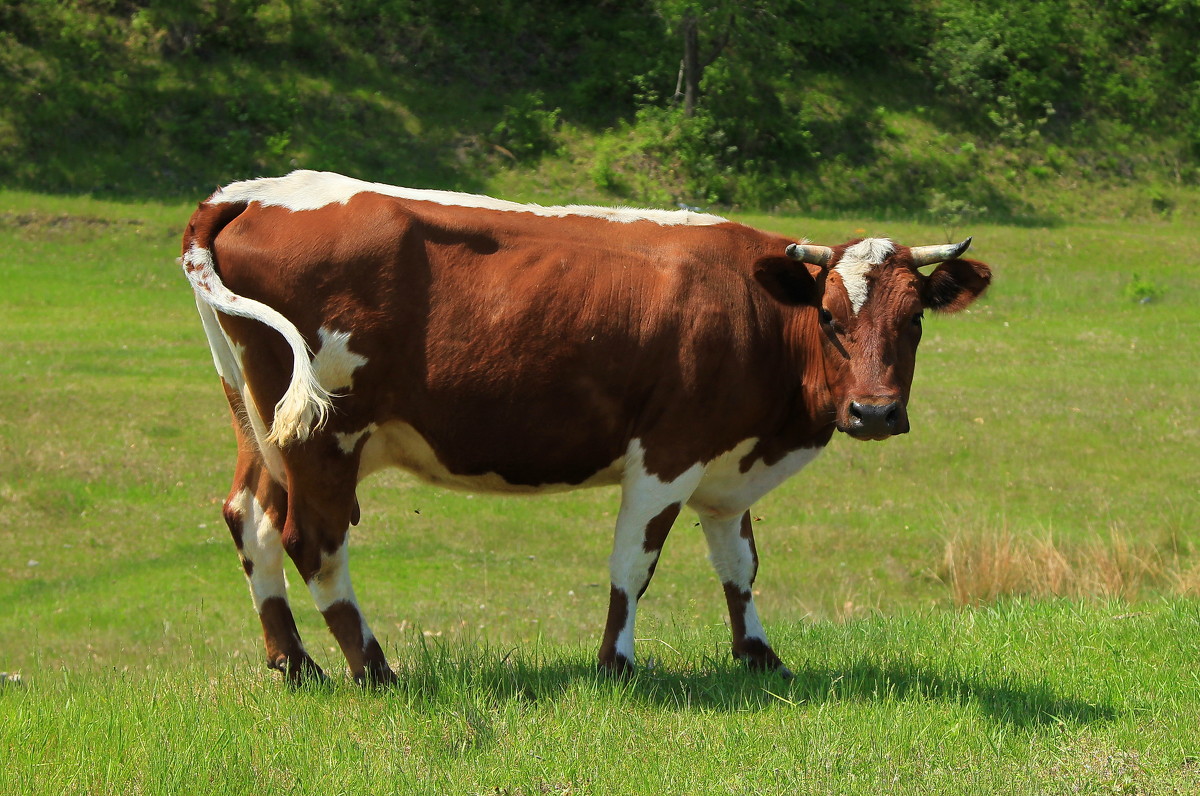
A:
(734, 561)
(332, 584)
(643, 497)
(262, 547)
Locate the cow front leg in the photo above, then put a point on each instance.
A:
(649, 507)
(333, 593)
(638, 543)
(735, 559)
(254, 519)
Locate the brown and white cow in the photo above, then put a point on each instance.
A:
(498, 347)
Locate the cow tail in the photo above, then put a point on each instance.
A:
(305, 404)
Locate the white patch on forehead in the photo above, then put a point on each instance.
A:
(335, 363)
(857, 261)
(310, 190)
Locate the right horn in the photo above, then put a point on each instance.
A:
(806, 253)
(930, 255)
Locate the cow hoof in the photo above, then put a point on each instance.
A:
(758, 657)
(377, 677)
(299, 672)
(308, 678)
(619, 667)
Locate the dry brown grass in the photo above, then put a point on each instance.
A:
(982, 568)
(1187, 581)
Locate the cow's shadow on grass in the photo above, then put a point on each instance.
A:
(717, 685)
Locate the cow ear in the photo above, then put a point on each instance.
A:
(790, 282)
(954, 284)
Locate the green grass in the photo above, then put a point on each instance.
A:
(1047, 698)
(1057, 407)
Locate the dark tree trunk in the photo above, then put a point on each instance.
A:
(691, 65)
(694, 63)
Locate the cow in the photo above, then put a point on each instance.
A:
(498, 347)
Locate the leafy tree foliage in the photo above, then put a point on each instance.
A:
(715, 101)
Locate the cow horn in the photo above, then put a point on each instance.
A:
(929, 255)
(815, 255)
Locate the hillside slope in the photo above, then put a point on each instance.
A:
(1034, 111)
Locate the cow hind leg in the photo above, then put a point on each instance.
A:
(318, 543)
(333, 593)
(735, 559)
(254, 513)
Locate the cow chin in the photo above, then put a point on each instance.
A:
(864, 436)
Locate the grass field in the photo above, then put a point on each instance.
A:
(1058, 415)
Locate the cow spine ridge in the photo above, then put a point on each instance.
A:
(305, 404)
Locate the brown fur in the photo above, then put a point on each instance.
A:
(537, 349)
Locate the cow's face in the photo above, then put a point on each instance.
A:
(869, 315)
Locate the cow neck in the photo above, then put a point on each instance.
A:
(816, 402)
(807, 400)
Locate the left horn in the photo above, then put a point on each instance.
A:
(815, 255)
(929, 255)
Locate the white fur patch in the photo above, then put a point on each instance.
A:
(398, 444)
(262, 547)
(857, 261)
(335, 363)
(643, 497)
(348, 442)
(310, 190)
(732, 559)
(271, 455)
(332, 583)
(725, 492)
(228, 357)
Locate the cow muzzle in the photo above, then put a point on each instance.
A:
(875, 419)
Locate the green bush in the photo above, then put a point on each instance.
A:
(818, 106)
(526, 128)
(1142, 291)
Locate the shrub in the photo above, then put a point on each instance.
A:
(526, 128)
(1142, 290)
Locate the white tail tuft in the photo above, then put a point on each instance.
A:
(305, 404)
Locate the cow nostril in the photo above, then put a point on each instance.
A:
(875, 418)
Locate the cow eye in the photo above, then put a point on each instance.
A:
(917, 318)
(826, 316)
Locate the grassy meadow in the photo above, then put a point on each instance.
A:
(1002, 601)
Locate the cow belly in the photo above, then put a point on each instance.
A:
(398, 444)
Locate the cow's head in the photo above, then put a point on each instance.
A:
(869, 300)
